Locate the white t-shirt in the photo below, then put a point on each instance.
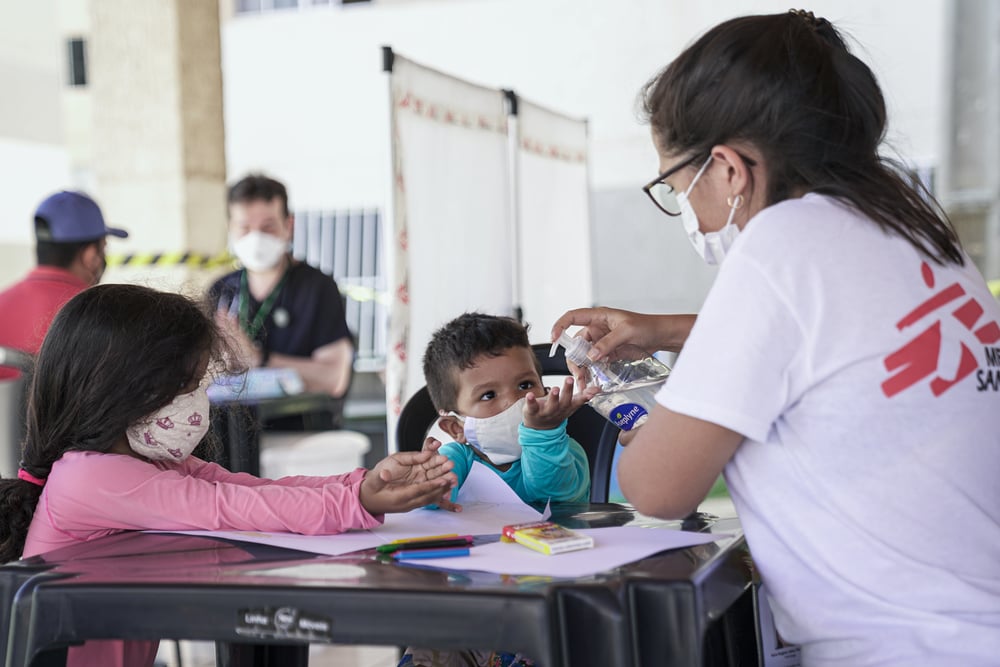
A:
(868, 483)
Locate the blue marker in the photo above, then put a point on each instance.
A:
(411, 554)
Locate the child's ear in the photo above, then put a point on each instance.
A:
(453, 428)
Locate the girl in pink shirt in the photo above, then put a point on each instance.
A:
(117, 405)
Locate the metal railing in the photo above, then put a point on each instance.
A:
(348, 246)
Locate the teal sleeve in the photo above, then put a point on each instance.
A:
(463, 458)
(553, 466)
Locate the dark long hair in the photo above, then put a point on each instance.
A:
(787, 84)
(113, 354)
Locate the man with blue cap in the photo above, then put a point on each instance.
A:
(70, 237)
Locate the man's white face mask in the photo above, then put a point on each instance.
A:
(258, 251)
(497, 436)
(713, 246)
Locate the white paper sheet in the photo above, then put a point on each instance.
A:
(488, 505)
(329, 545)
(613, 547)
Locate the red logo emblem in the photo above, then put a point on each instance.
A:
(918, 359)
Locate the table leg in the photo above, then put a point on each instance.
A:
(261, 655)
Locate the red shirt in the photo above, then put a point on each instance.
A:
(28, 307)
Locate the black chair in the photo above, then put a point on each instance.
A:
(13, 408)
(596, 435)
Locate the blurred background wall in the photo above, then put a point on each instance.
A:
(153, 107)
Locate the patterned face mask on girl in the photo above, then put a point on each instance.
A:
(172, 433)
(497, 436)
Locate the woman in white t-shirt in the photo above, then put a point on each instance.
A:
(844, 371)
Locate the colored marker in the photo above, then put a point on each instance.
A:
(429, 553)
(461, 541)
(425, 537)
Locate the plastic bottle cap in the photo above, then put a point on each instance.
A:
(576, 348)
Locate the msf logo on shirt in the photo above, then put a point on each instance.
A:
(918, 359)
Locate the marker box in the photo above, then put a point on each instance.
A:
(547, 537)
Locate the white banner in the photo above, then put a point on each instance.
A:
(553, 217)
(452, 234)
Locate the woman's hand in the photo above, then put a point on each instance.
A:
(612, 331)
(407, 480)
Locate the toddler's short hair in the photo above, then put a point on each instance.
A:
(456, 346)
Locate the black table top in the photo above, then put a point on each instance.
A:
(145, 586)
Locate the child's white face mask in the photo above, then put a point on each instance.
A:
(497, 436)
(172, 433)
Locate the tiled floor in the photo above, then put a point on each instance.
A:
(717, 506)
(202, 654)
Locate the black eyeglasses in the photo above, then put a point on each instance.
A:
(662, 194)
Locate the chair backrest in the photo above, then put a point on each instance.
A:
(13, 409)
(596, 435)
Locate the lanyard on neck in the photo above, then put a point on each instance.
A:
(252, 328)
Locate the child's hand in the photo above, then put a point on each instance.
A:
(406, 480)
(433, 444)
(550, 411)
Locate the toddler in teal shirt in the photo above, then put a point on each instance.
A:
(486, 383)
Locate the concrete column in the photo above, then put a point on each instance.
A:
(158, 151)
(971, 169)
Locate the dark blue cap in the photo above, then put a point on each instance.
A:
(73, 217)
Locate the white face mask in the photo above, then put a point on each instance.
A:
(712, 246)
(497, 436)
(172, 433)
(258, 251)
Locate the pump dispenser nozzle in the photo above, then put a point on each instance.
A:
(575, 346)
(577, 349)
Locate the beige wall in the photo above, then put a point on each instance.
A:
(157, 134)
(31, 66)
(32, 155)
(144, 137)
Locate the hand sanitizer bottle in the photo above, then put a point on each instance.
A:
(627, 386)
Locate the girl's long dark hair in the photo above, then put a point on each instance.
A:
(114, 354)
(787, 84)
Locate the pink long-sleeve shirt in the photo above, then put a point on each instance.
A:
(90, 495)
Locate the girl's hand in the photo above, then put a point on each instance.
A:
(407, 480)
(433, 444)
(549, 411)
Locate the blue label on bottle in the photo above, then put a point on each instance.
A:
(626, 415)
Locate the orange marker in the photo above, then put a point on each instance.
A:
(424, 538)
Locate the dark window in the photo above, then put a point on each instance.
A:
(259, 6)
(77, 51)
